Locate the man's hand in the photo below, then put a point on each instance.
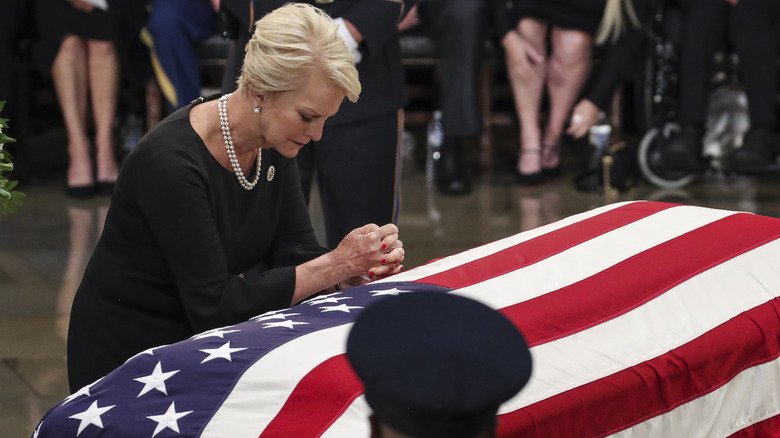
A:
(410, 20)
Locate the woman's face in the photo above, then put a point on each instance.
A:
(291, 119)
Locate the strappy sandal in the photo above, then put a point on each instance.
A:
(549, 151)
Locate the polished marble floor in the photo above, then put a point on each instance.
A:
(44, 249)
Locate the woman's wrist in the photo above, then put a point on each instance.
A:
(325, 272)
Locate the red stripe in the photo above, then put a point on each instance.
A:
(639, 279)
(544, 246)
(318, 400)
(769, 428)
(649, 389)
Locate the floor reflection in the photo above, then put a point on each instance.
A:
(86, 224)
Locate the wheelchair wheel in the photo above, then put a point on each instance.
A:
(649, 157)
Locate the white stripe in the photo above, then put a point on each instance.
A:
(673, 319)
(264, 388)
(751, 397)
(354, 423)
(591, 257)
(456, 260)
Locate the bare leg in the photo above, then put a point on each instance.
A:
(568, 69)
(527, 88)
(69, 74)
(104, 86)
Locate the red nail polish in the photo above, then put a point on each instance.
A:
(384, 245)
(370, 273)
(383, 261)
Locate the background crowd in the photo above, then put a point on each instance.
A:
(564, 61)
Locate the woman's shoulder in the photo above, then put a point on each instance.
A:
(171, 134)
(171, 148)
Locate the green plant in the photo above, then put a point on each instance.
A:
(10, 199)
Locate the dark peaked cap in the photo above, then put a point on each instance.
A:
(436, 364)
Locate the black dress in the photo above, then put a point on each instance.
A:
(179, 233)
(120, 24)
(584, 15)
(54, 19)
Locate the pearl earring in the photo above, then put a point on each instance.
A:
(257, 109)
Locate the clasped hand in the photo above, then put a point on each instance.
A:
(371, 252)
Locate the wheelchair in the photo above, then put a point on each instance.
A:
(727, 117)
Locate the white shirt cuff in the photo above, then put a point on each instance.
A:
(352, 45)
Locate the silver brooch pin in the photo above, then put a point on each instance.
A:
(271, 173)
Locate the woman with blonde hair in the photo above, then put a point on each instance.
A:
(571, 27)
(208, 225)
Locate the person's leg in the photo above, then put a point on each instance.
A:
(527, 88)
(702, 35)
(567, 72)
(104, 87)
(357, 171)
(754, 35)
(177, 27)
(69, 74)
(460, 28)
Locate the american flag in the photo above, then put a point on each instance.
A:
(645, 319)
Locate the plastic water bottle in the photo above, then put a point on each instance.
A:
(599, 139)
(599, 134)
(434, 140)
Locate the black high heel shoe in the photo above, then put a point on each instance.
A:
(529, 179)
(547, 152)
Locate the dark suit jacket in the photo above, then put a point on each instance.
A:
(381, 72)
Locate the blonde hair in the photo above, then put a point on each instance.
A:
(291, 41)
(613, 22)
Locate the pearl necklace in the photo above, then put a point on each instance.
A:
(231, 151)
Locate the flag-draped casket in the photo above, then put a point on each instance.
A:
(644, 319)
